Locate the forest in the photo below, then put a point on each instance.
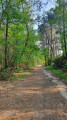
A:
(22, 45)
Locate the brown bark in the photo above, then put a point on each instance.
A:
(27, 35)
(6, 52)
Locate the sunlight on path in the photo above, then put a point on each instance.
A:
(36, 97)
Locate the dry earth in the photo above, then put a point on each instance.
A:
(36, 97)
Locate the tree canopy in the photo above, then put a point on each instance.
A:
(20, 43)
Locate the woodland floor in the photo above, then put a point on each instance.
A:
(36, 97)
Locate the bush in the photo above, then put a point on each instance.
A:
(65, 67)
(49, 61)
(59, 62)
(6, 74)
(17, 69)
(59, 73)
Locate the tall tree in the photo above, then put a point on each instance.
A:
(61, 21)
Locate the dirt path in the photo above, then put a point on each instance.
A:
(36, 97)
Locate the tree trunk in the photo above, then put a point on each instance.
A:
(3, 12)
(27, 35)
(64, 30)
(51, 44)
(6, 52)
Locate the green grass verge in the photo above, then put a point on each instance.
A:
(59, 73)
(20, 76)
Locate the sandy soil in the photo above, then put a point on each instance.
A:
(36, 97)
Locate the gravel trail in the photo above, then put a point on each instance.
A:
(39, 96)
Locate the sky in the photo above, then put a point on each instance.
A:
(47, 5)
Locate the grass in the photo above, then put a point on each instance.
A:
(21, 75)
(18, 77)
(59, 73)
(29, 70)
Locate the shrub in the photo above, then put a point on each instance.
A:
(65, 67)
(17, 69)
(59, 62)
(6, 74)
(49, 61)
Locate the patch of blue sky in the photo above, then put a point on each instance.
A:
(46, 6)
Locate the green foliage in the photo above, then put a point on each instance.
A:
(20, 44)
(21, 76)
(61, 21)
(50, 61)
(59, 73)
(45, 52)
(65, 67)
(17, 69)
(60, 62)
(6, 74)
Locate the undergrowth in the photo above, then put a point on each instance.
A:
(6, 74)
(59, 72)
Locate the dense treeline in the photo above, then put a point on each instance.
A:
(17, 37)
(19, 42)
(53, 29)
